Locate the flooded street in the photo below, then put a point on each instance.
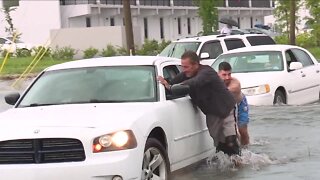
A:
(285, 144)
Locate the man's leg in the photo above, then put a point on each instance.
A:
(244, 135)
(231, 144)
(215, 127)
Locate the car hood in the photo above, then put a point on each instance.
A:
(115, 115)
(256, 78)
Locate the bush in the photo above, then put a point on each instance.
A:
(64, 53)
(90, 52)
(283, 39)
(163, 45)
(109, 51)
(121, 51)
(40, 50)
(4, 53)
(306, 40)
(23, 53)
(150, 47)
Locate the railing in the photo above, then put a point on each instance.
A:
(155, 2)
(260, 3)
(73, 2)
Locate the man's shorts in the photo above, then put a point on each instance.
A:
(243, 112)
(220, 128)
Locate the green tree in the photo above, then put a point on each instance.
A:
(314, 7)
(282, 14)
(10, 29)
(209, 14)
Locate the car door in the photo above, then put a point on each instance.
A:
(301, 86)
(189, 130)
(311, 72)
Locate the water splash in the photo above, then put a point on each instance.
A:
(223, 162)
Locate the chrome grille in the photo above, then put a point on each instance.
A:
(30, 151)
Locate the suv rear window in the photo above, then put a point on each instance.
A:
(260, 40)
(234, 43)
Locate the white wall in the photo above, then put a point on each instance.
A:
(97, 37)
(34, 19)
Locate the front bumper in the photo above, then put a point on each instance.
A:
(100, 166)
(260, 100)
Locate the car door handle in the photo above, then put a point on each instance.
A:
(303, 75)
(317, 71)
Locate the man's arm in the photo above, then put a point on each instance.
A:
(176, 80)
(203, 77)
(235, 88)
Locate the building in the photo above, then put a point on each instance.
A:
(152, 19)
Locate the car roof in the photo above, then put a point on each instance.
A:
(214, 37)
(113, 61)
(271, 47)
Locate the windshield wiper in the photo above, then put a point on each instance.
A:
(106, 101)
(79, 102)
(38, 104)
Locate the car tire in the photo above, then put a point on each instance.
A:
(279, 98)
(155, 162)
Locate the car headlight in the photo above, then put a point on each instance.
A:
(256, 90)
(119, 140)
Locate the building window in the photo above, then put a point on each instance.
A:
(183, 3)
(161, 28)
(179, 25)
(145, 22)
(155, 2)
(88, 22)
(112, 21)
(189, 25)
(260, 3)
(74, 2)
(238, 3)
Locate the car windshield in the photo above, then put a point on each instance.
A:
(258, 61)
(93, 85)
(176, 49)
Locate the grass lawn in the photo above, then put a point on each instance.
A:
(18, 65)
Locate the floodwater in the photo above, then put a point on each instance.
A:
(285, 145)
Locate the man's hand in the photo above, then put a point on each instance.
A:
(163, 82)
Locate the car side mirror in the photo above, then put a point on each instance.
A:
(12, 98)
(180, 89)
(204, 55)
(295, 65)
(7, 42)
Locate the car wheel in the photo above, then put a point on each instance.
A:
(279, 98)
(155, 161)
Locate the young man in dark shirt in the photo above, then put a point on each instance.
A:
(211, 95)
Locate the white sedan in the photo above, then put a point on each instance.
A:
(275, 74)
(6, 43)
(104, 118)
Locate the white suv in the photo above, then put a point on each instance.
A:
(210, 47)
